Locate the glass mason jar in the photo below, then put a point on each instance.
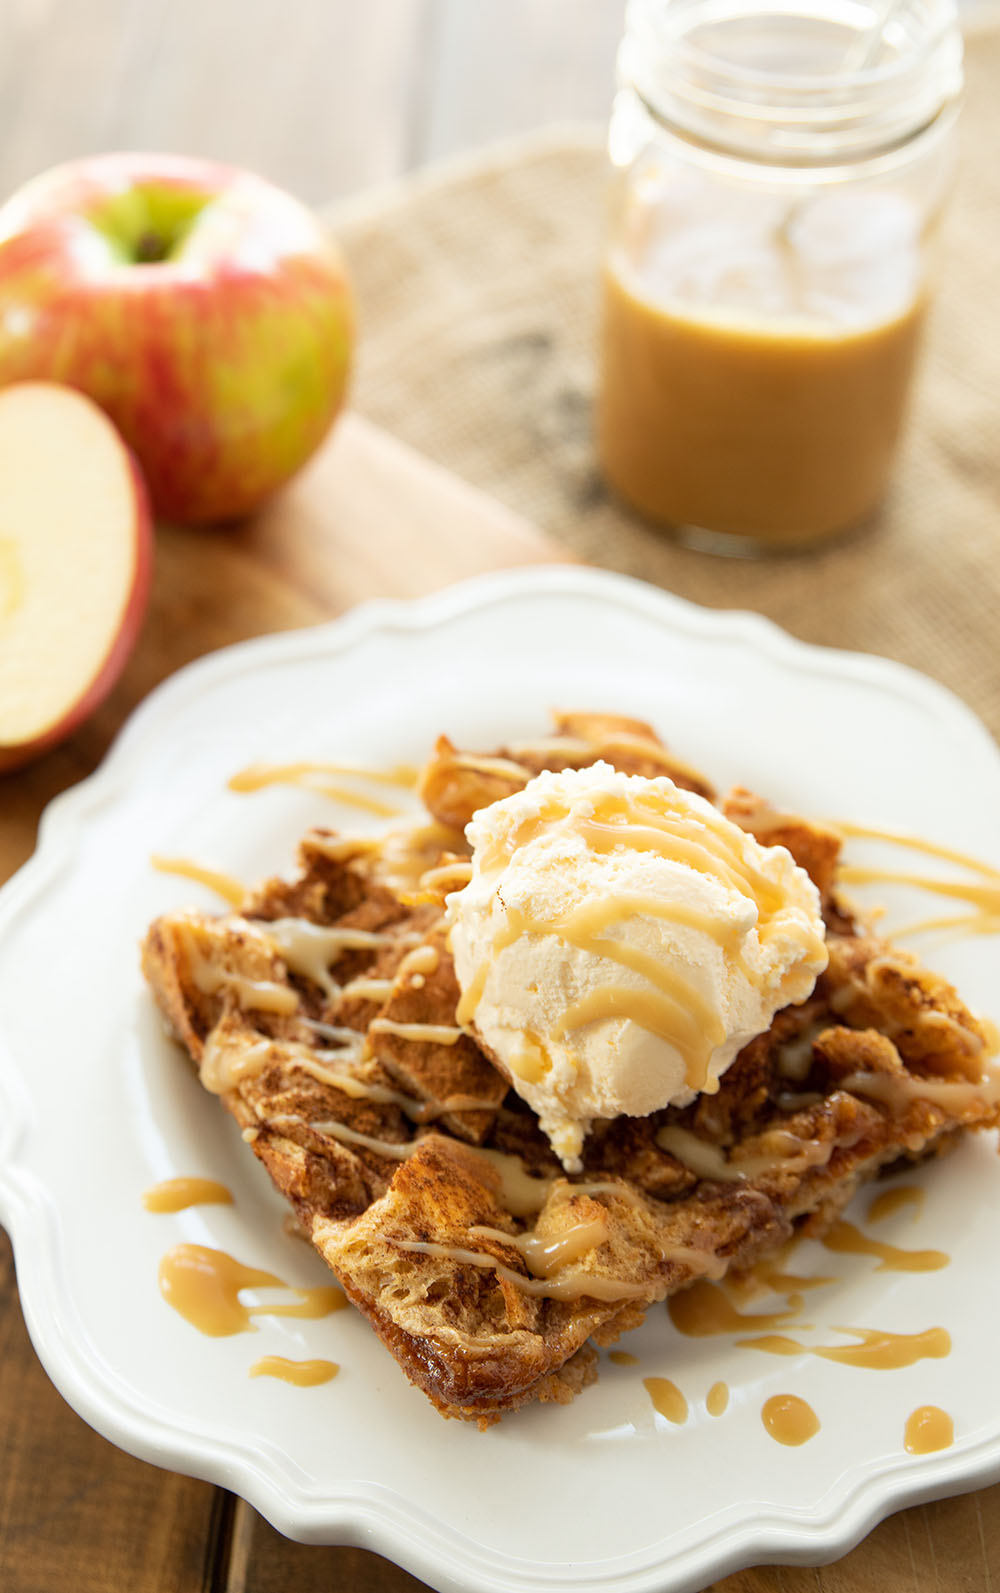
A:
(778, 176)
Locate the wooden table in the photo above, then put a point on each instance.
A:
(369, 518)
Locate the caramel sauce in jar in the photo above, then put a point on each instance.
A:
(768, 269)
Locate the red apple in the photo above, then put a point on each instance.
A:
(206, 311)
(75, 557)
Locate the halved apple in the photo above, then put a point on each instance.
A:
(75, 561)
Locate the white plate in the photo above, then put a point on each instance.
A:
(95, 1105)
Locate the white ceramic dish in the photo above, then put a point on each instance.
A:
(95, 1105)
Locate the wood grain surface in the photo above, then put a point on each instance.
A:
(369, 518)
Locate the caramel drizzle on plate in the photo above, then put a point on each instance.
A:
(667, 1399)
(982, 895)
(178, 1194)
(204, 1286)
(927, 1430)
(789, 1419)
(326, 779)
(892, 1200)
(878, 1351)
(844, 1238)
(704, 1308)
(227, 886)
(304, 1374)
(717, 1399)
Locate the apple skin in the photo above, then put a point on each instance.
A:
(120, 644)
(224, 362)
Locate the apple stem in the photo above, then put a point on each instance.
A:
(149, 248)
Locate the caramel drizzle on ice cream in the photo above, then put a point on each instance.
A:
(670, 1005)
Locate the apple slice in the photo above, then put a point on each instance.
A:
(75, 559)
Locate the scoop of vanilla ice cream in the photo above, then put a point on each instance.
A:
(620, 941)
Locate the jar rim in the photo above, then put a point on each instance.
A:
(805, 115)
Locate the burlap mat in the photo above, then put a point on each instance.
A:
(477, 288)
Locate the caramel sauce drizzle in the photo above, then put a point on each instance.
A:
(177, 1194)
(568, 747)
(504, 768)
(845, 1239)
(704, 1308)
(789, 1420)
(671, 1006)
(555, 1288)
(221, 1070)
(421, 960)
(716, 852)
(878, 1351)
(897, 1091)
(674, 1008)
(304, 1374)
(717, 1399)
(927, 1430)
(229, 888)
(915, 843)
(573, 749)
(710, 1161)
(983, 896)
(446, 877)
(338, 1032)
(393, 1150)
(545, 1256)
(788, 1283)
(892, 1200)
(416, 1109)
(308, 948)
(325, 778)
(667, 1399)
(523, 1194)
(362, 989)
(680, 1017)
(422, 1033)
(204, 1286)
(263, 995)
